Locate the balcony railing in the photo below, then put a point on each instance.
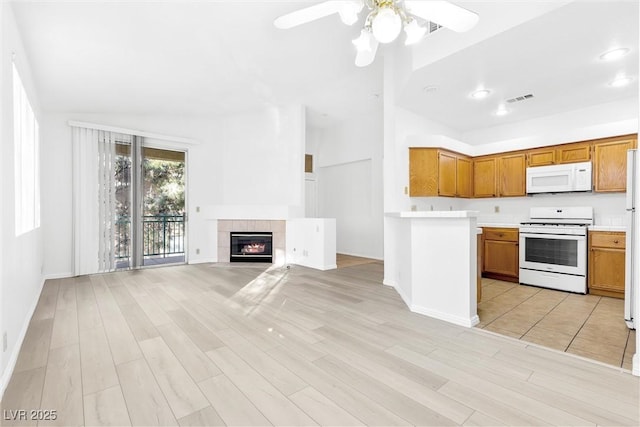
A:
(162, 235)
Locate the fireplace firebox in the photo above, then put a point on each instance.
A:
(251, 246)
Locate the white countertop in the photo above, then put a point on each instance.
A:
(498, 224)
(433, 214)
(607, 228)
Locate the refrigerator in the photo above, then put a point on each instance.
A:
(632, 269)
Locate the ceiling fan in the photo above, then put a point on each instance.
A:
(385, 20)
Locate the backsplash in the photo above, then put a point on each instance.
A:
(609, 209)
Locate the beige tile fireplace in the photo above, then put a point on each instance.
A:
(277, 227)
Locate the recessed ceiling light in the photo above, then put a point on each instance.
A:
(501, 111)
(480, 94)
(613, 54)
(620, 81)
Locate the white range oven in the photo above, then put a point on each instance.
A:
(553, 248)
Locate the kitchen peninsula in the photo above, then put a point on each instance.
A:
(431, 261)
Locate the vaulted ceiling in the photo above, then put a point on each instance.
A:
(217, 57)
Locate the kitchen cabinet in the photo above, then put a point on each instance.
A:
(606, 263)
(501, 253)
(513, 175)
(464, 177)
(485, 173)
(541, 157)
(610, 163)
(573, 153)
(447, 178)
(436, 172)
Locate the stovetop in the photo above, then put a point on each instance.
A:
(538, 223)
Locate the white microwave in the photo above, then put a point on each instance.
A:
(559, 178)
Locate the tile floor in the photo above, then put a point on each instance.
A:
(586, 325)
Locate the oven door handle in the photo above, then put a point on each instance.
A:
(553, 236)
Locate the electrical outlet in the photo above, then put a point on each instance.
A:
(496, 209)
(406, 190)
(5, 343)
(431, 207)
(198, 251)
(414, 208)
(450, 208)
(197, 208)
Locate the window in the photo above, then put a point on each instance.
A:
(27, 159)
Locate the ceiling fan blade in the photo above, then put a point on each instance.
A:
(447, 14)
(366, 57)
(316, 11)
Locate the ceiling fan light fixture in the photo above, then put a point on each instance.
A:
(386, 24)
(349, 11)
(364, 43)
(414, 31)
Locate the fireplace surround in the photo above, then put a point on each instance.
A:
(276, 227)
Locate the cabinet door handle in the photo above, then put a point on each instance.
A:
(615, 241)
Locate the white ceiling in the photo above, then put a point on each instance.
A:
(555, 57)
(218, 57)
(191, 58)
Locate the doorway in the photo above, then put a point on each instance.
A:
(150, 205)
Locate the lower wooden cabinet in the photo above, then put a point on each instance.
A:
(501, 254)
(606, 263)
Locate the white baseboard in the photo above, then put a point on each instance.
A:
(13, 358)
(360, 255)
(467, 322)
(202, 261)
(388, 283)
(58, 276)
(636, 365)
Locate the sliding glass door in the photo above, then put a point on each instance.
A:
(163, 213)
(150, 205)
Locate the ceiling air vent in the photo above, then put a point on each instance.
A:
(520, 98)
(432, 26)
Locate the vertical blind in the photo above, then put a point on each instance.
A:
(94, 199)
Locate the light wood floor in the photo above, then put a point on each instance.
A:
(343, 260)
(197, 345)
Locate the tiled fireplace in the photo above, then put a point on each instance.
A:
(275, 227)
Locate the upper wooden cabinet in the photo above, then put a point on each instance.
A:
(485, 177)
(435, 172)
(464, 177)
(423, 172)
(610, 163)
(447, 179)
(513, 175)
(438, 172)
(558, 154)
(573, 153)
(541, 157)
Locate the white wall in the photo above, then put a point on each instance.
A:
(21, 256)
(245, 166)
(597, 121)
(349, 171)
